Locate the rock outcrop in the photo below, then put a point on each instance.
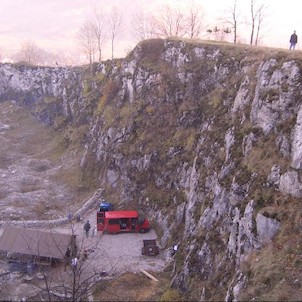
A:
(202, 137)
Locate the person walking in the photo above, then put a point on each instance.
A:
(293, 41)
(87, 228)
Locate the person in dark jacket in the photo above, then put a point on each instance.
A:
(293, 41)
(87, 228)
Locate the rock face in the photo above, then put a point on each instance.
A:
(201, 137)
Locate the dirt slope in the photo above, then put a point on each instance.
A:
(36, 179)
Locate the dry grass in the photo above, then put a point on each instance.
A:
(135, 287)
(275, 271)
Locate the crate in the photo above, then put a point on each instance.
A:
(150, 248)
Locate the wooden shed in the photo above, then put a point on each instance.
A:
(40, 247)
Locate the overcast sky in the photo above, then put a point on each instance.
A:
(53, 24)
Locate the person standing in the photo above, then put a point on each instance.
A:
(87, 228)
(293, 41)
(93, 231)
(67, 258)
(69, 216)
(74, 262)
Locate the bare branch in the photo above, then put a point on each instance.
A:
(171, 23)
(87, 41)
(142, 26)
(115, 27)
(233, 20)
(30, 53)
(99, 28)
(257, 19)
(194, 21)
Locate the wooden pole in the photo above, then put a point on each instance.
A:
(148, 275)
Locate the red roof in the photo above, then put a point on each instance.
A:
(121, 214)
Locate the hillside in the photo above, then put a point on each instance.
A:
(39, 177)
(203, 137)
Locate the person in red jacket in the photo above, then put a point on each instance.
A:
(293, 41)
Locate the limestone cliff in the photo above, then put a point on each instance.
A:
(203, 137)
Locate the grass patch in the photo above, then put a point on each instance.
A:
(135, 287)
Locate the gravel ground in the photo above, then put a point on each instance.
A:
(113, 254)
(116, 254)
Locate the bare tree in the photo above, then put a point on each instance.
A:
(194, 21)
(219, 33)
(233, 20)
(171, 23)
(224, 33)
(74, 280)
(32, 54)
(143, 26)
(115, 28)
(209, 31)
(216, 31)
(99, 28)
(49, 58)
(253, 13)
(87, 40)
(29, 53)
(259, 20)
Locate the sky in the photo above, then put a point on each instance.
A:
(53, 24)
